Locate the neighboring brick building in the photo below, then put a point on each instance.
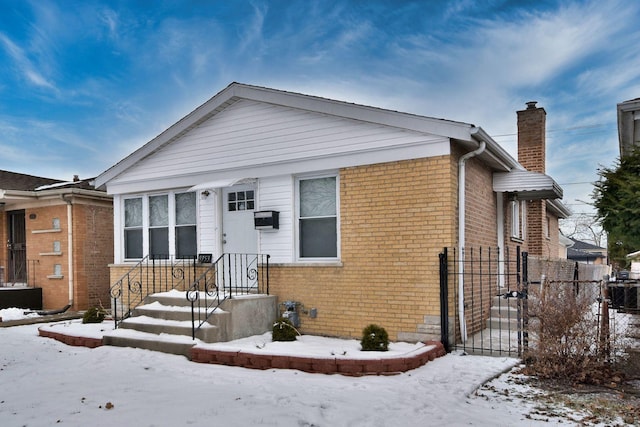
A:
(366, 200)
(59, 239)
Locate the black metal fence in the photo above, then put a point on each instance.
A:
(484, 300)
(491, 304)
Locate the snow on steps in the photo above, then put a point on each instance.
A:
(163, 322)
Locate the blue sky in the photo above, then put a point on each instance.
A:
(85, 83)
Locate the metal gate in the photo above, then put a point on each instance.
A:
(484, 300)
(17, 248)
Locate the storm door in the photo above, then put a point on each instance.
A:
(239, 236)
(17, 248)
(238, 232)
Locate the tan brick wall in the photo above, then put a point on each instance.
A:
(40, 237)
(92, 246)
(395, 219)
(481, 223)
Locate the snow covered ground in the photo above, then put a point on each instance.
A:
(46, 383)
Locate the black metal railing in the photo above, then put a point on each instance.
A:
(23, 274)
(152, 274)
(230, 275)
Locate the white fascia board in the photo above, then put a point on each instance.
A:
(495, 151)
(557, 207)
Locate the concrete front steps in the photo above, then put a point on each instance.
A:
(503, 314)
(163, 322)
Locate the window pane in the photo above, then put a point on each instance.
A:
(158, 210)
(240, 195)
(159, 242)
(133, 244)
(318, 238)
(318, 197)
(186, 241)
(231, 196)
(133, 212)
(186, 208)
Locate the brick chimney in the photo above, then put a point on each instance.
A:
(531, 137)
(531, 155)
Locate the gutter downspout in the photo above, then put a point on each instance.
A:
(461, 233)
(70, 246)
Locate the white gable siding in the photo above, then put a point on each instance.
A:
(249, 135)
(276, 194)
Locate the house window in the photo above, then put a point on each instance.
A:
(56, 246)
(317, 217)
(161, 225)
(241, 201)
(55, 223)
(186, 225)
(133, 228)
(57, 269)
(547, 232)
(518, 219)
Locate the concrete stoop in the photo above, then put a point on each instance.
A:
(503, 314)
(163, 322)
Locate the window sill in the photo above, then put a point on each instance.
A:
(50, 230)
(517, 239)
(55, 277)
(50, 253)
(308, 264)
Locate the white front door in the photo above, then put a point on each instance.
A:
(238, 232)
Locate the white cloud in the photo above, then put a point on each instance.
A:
(24, 66)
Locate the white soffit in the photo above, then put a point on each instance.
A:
(527, 185)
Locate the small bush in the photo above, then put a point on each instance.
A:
(374, 338)
(93, 315)
(571, 338)
(283, 330)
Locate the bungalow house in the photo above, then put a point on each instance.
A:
(353, 204)
(59, 243)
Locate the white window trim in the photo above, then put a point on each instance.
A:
(145, 222)
(515, 219)
(518, 219)
(296, 234)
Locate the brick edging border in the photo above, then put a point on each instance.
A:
(71, 340)
(351, 367)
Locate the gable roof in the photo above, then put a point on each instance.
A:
(18, 186)
(582, 246)
(581, 255)
(464, 134)
(18, 181)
